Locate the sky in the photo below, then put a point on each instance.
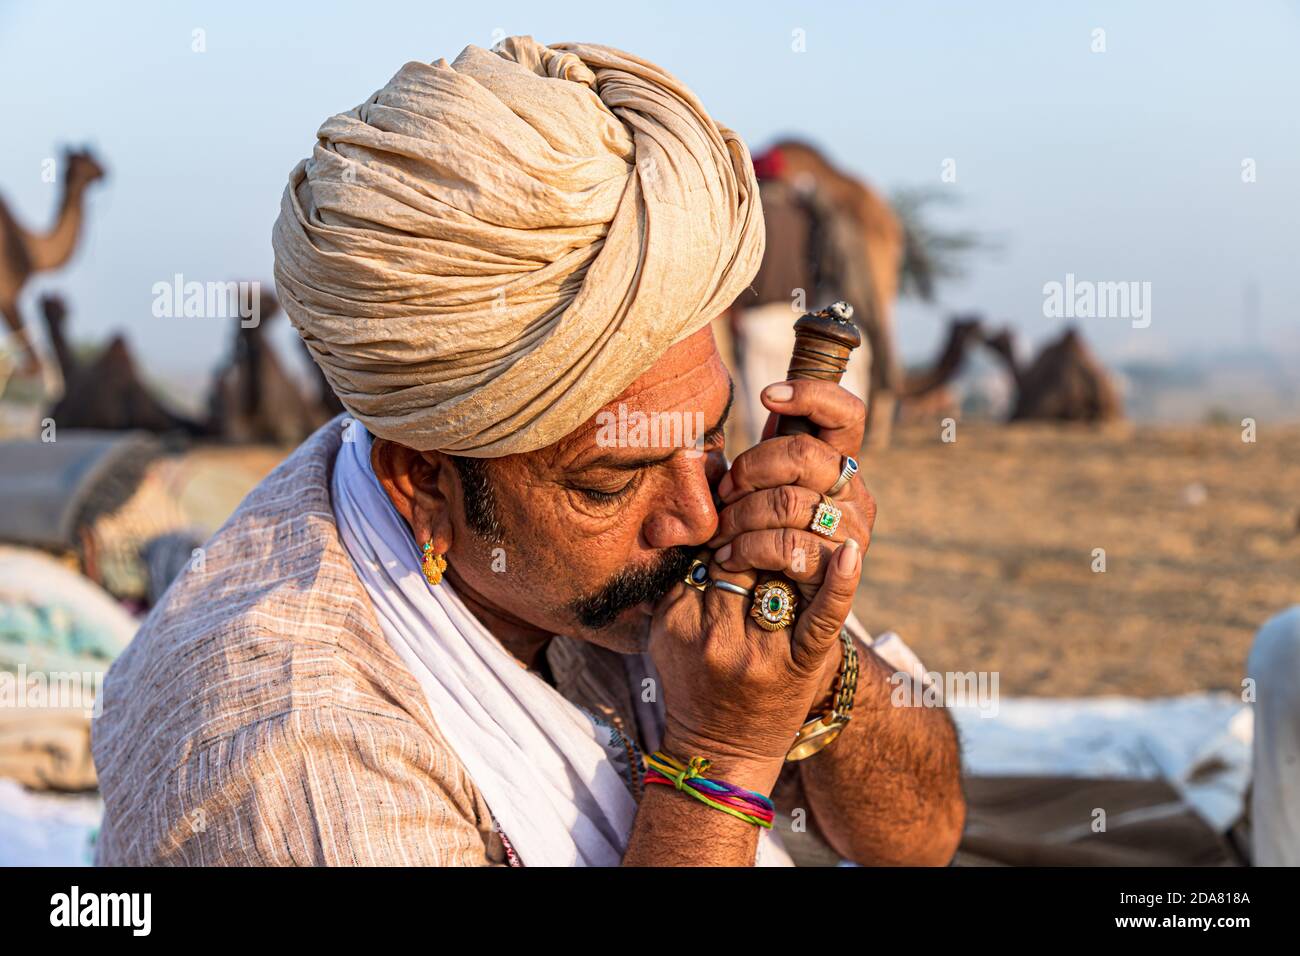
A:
(1117, 165)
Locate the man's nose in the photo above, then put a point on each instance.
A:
(685, 515)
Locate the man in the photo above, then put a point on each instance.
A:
(1274, 667)
(446, 632)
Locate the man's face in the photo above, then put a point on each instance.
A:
(587, 534)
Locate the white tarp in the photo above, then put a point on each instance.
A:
(43, 829)
(1199, 743)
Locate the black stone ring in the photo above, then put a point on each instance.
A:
(697, 575)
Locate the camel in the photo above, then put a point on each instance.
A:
(963, 331)
(872, 288)
(23, 253)
(1064, 383)
(253, 399)
(328, 401)
(55, 311)
(107, 393)
(811, 248)
(925, 394)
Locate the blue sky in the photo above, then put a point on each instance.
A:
(1122, 165)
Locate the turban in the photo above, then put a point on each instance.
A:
(485, 252)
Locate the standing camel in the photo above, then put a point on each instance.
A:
(874, 284)
(814, 253)
(23, 253)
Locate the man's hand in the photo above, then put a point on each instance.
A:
(730, 687)
(888, 790)
(735, 694)
(773, 489)
(738, 694)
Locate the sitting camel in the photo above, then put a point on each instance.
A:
(23, 253)
(106, 393)
(925, 394)
(1065, 383)
(253, 397)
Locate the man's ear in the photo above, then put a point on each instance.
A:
(417, 486)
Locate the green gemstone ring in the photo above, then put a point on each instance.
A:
(774, 604)
(826, 519)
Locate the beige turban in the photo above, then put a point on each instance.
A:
(484, 253)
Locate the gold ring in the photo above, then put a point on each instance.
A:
(774, 604)
(826, 519)
(697, 575)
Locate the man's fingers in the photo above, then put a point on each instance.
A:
(818, 627)
(787, 460)
(787, 506)
(840, 416)
(681, 607)
(724, 607)
(800, 555)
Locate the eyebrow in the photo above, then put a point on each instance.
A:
(635, 464)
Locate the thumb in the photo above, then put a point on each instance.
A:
(819, 626)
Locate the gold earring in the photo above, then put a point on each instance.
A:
(433, 564)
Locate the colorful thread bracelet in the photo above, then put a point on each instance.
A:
(740, 803)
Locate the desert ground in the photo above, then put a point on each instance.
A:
(983, 552)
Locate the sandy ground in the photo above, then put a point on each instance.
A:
(983, 553)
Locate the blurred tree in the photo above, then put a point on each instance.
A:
(931, 254)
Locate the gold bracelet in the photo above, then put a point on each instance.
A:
(822, 730)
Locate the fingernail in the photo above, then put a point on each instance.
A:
(725, 485)
(722, 553)
(778, 393)
(850, 554)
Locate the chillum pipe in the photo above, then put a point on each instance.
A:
(823, 342)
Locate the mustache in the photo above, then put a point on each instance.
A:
(631, 587)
